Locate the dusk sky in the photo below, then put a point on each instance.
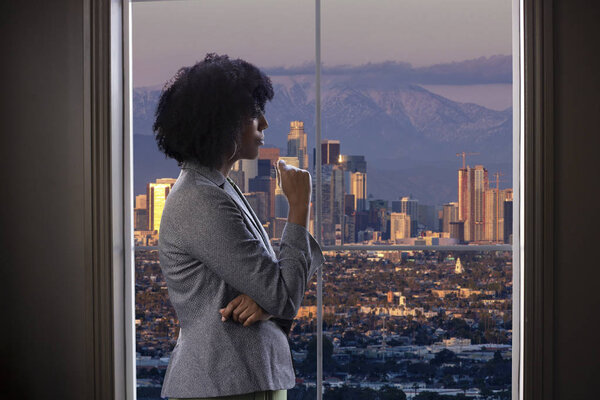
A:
(169, 34)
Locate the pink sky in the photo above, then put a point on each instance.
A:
(169, 34)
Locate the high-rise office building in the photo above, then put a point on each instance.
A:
(141, 201)
(157, 193)
(358, 187)
(349, 204)
(353, 163)
(265, 181)
(338, 198)
(494, 213)
(472, 184)
(350, 227)
(378, 214)
(249, 168)
(508, 220)
(140, 218)
(140, 213)
(332, 197)
(400, 225)
(330, 151)
(457, 231)
(449, 214)
(356, 184)
(410, 206)
(297, 145)
(428, 217)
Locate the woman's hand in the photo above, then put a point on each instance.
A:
(295, 183)
(244, 310)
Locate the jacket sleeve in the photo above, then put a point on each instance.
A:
(215, 234)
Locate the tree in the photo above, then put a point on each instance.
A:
(311, 356)
(443, 357)
(391, 393)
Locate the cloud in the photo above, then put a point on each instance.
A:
(482, 70)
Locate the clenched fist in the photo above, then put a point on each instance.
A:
(295, 183)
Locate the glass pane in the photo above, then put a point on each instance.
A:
(417, 150)
(416, 122)
(276, 36)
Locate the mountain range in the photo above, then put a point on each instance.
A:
(408, 135)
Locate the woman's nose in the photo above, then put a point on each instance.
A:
(264, 123)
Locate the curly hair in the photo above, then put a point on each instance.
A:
(202, 110)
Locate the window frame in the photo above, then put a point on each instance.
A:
(107, 73)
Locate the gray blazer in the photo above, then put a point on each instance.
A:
(211, 249)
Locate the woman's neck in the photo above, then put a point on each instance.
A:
(226, 167)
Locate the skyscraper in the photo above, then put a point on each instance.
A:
(296, 143)
(427, 217)
(472, 184)
(399, 225)
(358, 187)
(494, 213)
(249, 169)
(157, 193)
(353, 163)
(140, 213)
(378, 214)
(410, 206)
(332, 196)
(508, 220)
(330, 151)
(450, 214)
(265, 180)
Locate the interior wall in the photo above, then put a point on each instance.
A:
(577, 183)
(42, 216)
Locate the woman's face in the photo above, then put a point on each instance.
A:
(253, 137)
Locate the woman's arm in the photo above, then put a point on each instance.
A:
(214, 232)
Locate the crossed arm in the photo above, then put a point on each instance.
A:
(244, 310)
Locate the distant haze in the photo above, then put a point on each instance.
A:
(280, 33)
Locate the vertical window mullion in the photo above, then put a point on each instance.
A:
(317, 224)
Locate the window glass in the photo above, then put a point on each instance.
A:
(416, 149)
(279, 38)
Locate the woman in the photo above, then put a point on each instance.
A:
(234, 297)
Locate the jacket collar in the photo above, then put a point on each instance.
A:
(211, 173)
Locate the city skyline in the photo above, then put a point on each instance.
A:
(348, 216)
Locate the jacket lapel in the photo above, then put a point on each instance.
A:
(250, 217)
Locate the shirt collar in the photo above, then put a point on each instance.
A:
(211, 173)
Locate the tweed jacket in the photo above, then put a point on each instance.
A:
(212, 248)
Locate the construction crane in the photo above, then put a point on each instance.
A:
(464, 156)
